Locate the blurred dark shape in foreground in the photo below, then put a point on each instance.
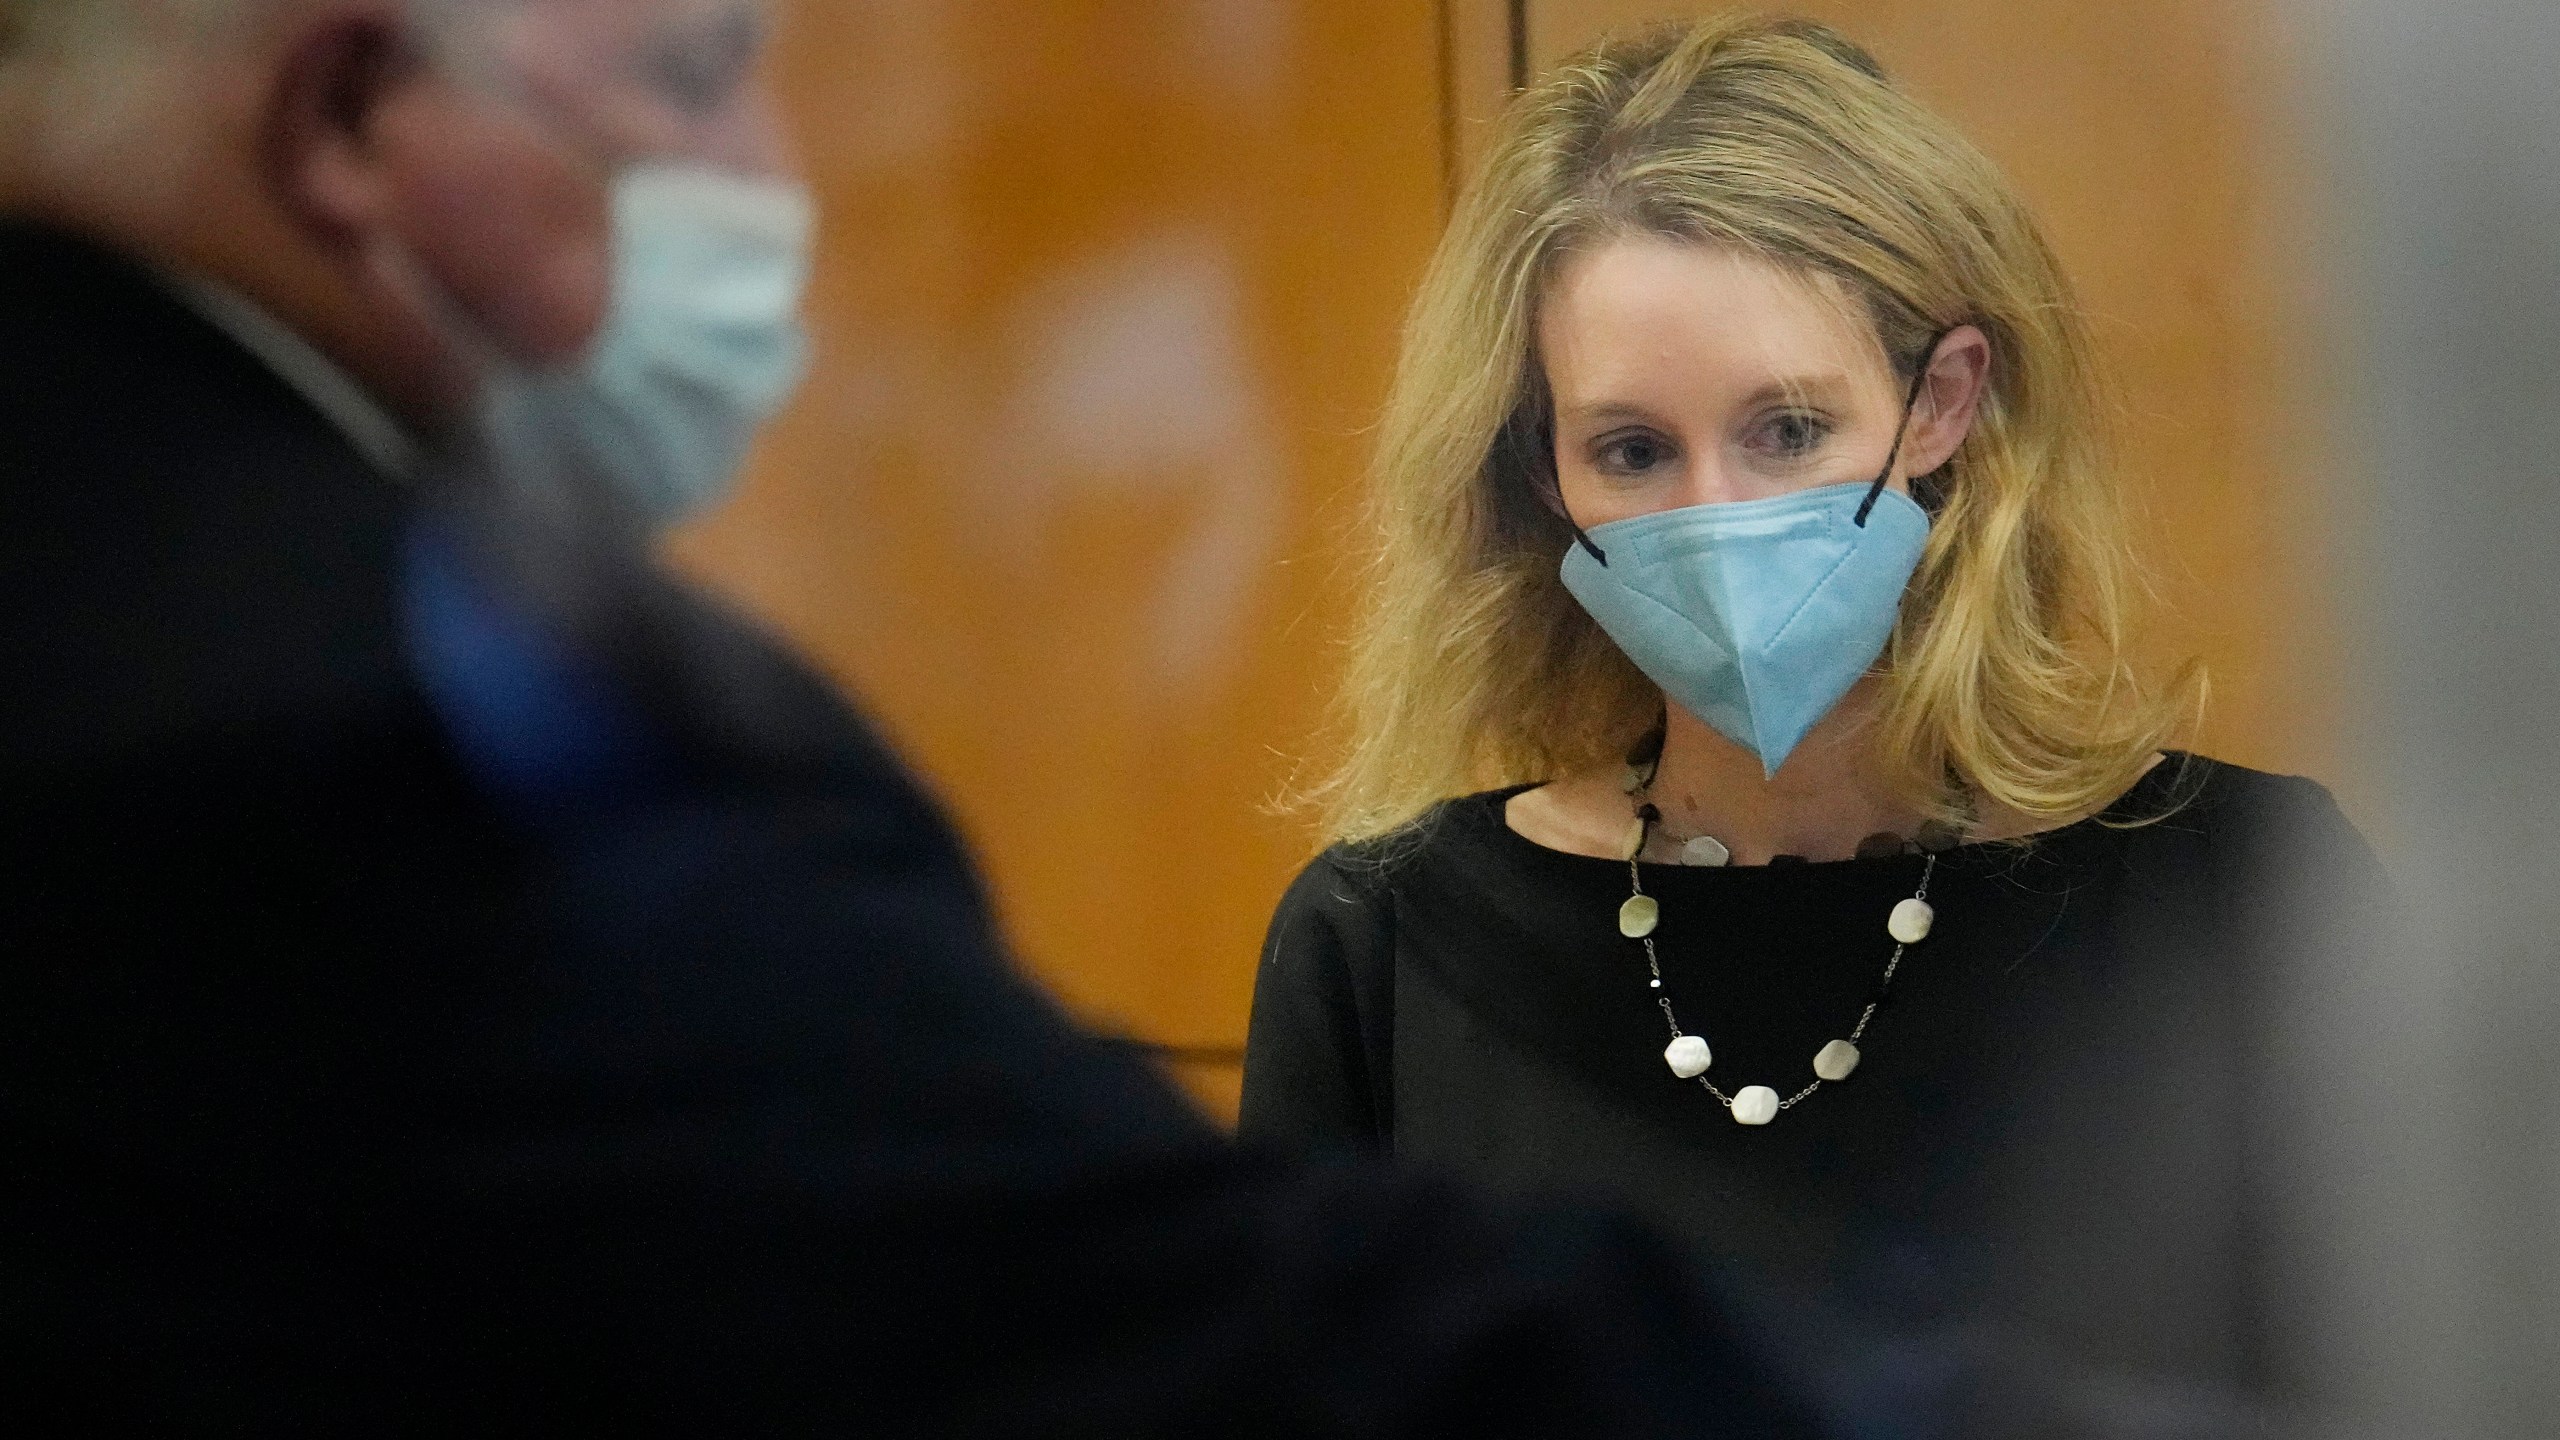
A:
(460, 978)
(2431, 1205)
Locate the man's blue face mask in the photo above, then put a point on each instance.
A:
(702, 343)
(1757, 616)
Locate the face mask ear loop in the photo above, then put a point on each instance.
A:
(1553, 493)
(1531, 446)
(1910, 404)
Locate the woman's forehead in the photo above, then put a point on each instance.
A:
(1640, 310)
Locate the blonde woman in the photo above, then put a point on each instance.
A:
(1750, 804)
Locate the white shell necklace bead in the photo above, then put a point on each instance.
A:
(1755, 1105)
(1638, 916)
(1835, 1060)
(1703, 850)
(1687, 1054)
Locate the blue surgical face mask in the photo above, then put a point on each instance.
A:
(1756, 616)
(702, 343)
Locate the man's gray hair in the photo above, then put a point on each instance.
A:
(96, 74)
(81, 26)
(65, 28)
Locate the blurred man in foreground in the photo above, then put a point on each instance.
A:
(456, 976)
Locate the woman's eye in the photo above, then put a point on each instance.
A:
(1632, 454)
(1793, 436)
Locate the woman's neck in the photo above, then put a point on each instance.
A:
(1820, 804)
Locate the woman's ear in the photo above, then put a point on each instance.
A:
(1949, 399)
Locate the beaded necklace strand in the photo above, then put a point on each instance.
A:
(1688, 1055)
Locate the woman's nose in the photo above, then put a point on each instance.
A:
(1709, 481)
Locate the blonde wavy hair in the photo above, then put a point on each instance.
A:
(2007, 680)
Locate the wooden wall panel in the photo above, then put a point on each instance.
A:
(1487, 53)
(1109, 293)
(2143, 134)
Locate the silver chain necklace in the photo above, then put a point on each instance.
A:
(1687, 1054)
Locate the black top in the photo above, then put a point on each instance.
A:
(459, 979)
(2050, 1132)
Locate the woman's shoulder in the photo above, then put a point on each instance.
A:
(2240, 815)
(1365, 872)
(2219, 794)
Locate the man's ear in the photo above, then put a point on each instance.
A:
(321, 126)
(1950, 397)
(374, 148)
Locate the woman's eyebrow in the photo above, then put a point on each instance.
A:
(1830, 387)
(1826, 387)
(1603, 412)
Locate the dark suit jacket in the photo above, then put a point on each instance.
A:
(455, 975)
